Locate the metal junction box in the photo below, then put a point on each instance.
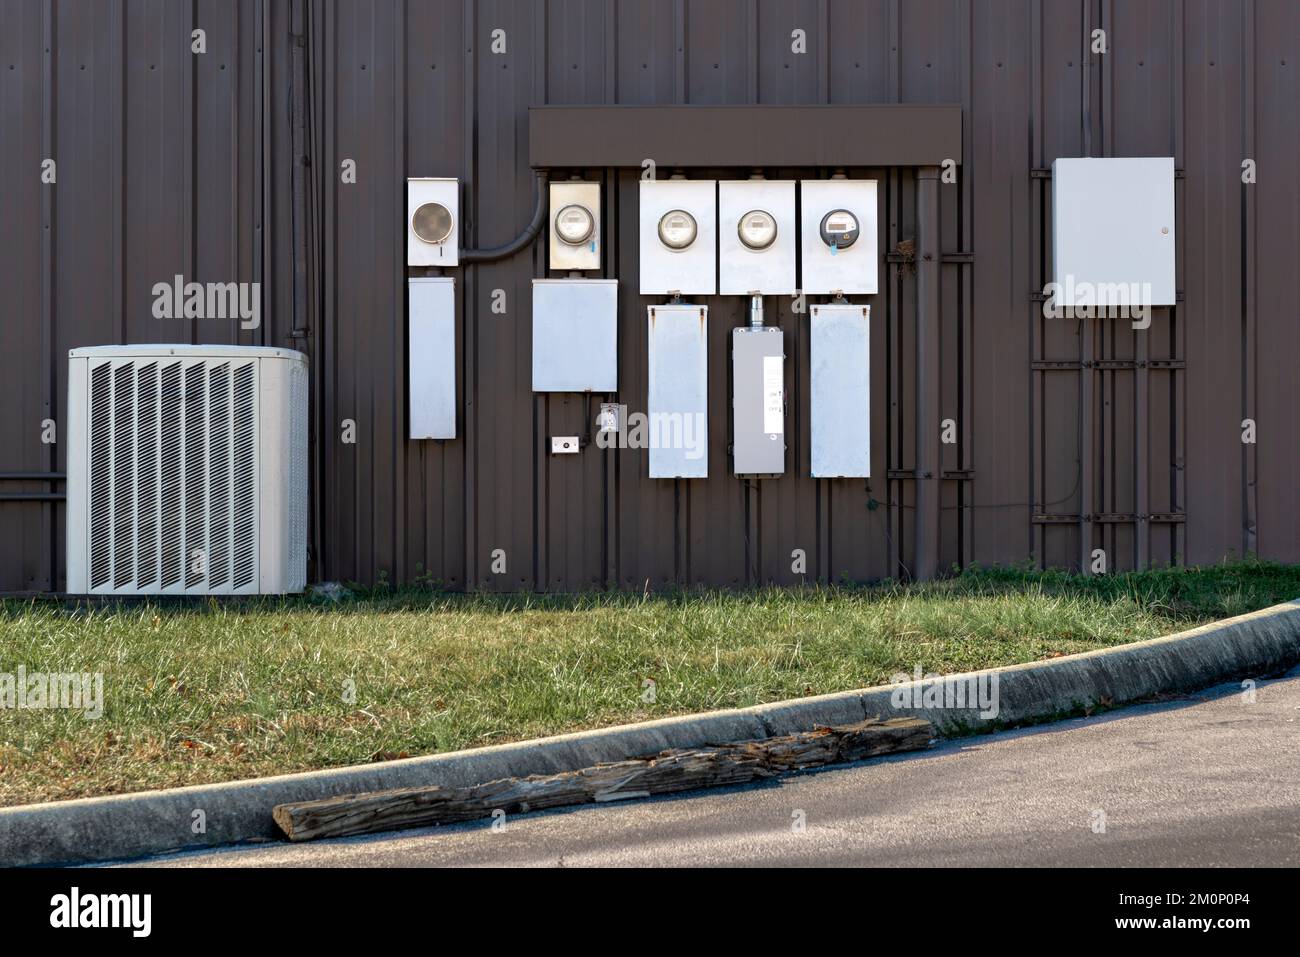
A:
(678, 236)
(575, 335)
(841, 390)
(757, 237)
(575, 225)
(432, 221)
(758, 400)
(431, 363)
(837, 235)
(677, 406)
(1113, 231)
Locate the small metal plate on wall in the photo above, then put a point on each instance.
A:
(565, 444)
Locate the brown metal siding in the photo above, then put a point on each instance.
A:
(174, 163)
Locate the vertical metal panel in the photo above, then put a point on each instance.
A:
(431, 362)
(1212, 279)
(1276, 237)
(677, 400)
(840, 383)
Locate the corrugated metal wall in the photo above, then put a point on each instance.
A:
(1072, 436)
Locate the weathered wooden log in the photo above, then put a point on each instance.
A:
(680, 769)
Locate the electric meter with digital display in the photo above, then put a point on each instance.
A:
(757, 229)
(677, 229)
(839, 237)
(839, 229)
(574, 224)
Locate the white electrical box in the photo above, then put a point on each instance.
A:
(575, 225)
(678, 235)
(431, 362)
(432, 221)
(1113, 232)
(575, 335)
(838, 236)
(840, 390)
(756, 237)
(677, 406)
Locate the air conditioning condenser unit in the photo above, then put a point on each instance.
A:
(187, 470)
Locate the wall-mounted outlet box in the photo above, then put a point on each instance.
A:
(575, 225)
(678, 233)
(1113, 241)
(431, 360)
(575, 335)
(838, 236)
(432, 221)
(757, 237)
(565, 444)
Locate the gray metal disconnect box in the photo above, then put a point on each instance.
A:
(758, 400)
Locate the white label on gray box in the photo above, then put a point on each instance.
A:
(773, 394)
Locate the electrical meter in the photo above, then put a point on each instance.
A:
(575, 225)
(756, 250)
(677, 229)
(432, 230)
(839, 236)
(839, 229)
(432, 222)
(677, 236)
(757, 229)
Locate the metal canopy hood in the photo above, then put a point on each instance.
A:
(885, 134)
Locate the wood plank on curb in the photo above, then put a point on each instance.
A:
(678, 769)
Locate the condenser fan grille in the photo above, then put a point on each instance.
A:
(173, 475)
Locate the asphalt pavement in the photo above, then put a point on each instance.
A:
(1211, 779)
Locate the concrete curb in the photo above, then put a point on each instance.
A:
(1259, 644)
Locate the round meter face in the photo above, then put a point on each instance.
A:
(432, 222)
(677, 229)
(757, 229)
(574, 224)
(839, 229)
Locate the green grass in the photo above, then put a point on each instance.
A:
(219, 691)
